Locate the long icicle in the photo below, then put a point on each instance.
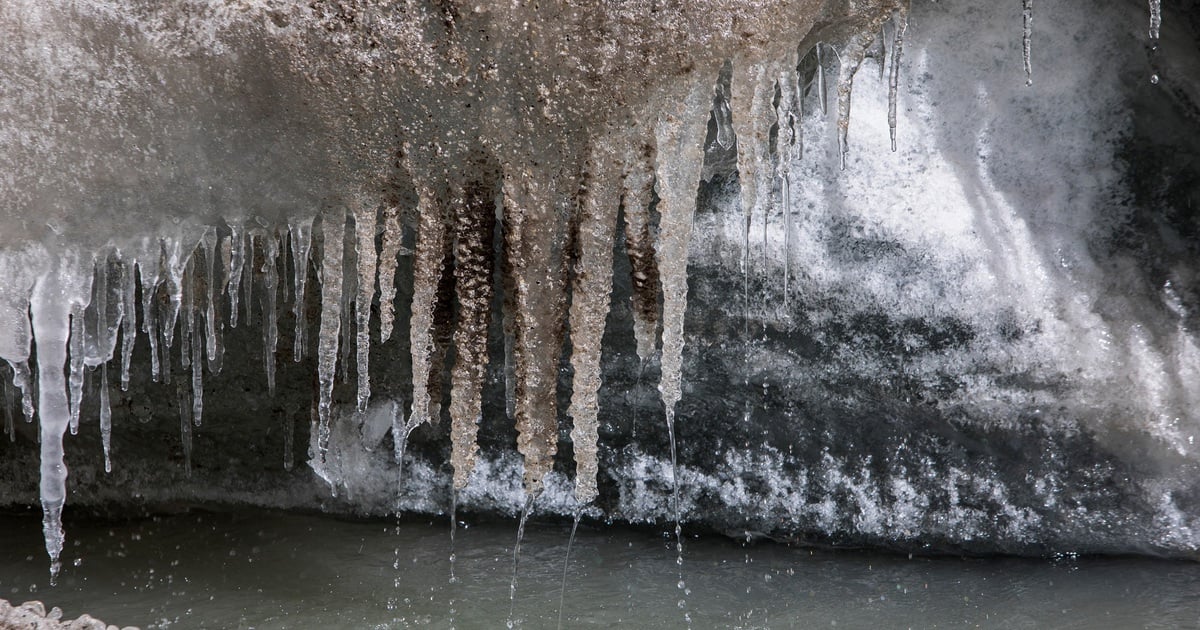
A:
(680, 139)
(364, 231)
(129, 323)
(789, 146)
(270, 321)
(390, 249)
(333, 230)
(149, 269)
(213, 325)
(851, 59)
(427, 271)
(590, 300)
(237, 261)
(300, 239)
(636, 195)
(475, 225)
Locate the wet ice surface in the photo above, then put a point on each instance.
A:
(274, 570)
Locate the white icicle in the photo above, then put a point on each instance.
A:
(300, 239)
(176, 257)
(76, 363)
(788, 149)
(752, 91)
(55, 295)
(333, 230)
(105, 418)
(901, 18)
(237, 261)
(393, 235)
(23, 380)
(1155, 18)
(1026, 41)
(590, 303)
(821, 92)
(364, 232)
(851, 59)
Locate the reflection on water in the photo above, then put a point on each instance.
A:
(272, 570)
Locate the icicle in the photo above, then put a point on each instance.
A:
(535, 213)
(175, 263)
(680, 138)
(723, 116)
(187, 308)
(300, 238)
(400, 431)
(1155, 27)
(10, 428)
(443, 322)
(212, 324)
(77, 355)
(270, 253)
(197, 373)
(149, 269)
(237, 261)
(427, 272)
(248, 267)
(105, 418)
(901, 18)
(1026, 41)
(55, 296)
(821, 91)
(23, 381)
(590, 296)
(475, 225)
(851, 58)
(636, 194)
(391, 248)
(789, 148)
(333, 230)
(129, 324)
(347, 336)
(752, 92)
(364, 232)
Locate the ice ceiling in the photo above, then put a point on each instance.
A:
(201, 156)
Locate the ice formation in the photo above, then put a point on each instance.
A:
(517, 141)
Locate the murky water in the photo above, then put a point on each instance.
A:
(272, 570)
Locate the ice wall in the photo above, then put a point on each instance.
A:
(510, 158)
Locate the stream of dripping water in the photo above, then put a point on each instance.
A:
(512, 586)
(675, 514)
(562, 591)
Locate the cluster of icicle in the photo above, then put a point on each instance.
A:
(76, 306)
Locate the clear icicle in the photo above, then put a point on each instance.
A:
(333, 230)
(187, 308)
(270, 254)
(390, 249)
(23, 380)
(901, 18)
(723, 115)
(1026, 41)
(248, 274)
(300, 238)
(366, 259)
(789, 146)
(474, 226)
(636, 194)
(590, 297)
(679, 136)
(851, 59)
(821, 90)
(752, 90)
(212, 324)
(129, 323)
(197, 374)
(105, 418)
(175, 262)
(148, 269)
(55, 296)
(76, 364)
(427, 273)
(237, 261)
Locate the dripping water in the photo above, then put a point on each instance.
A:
(1155, 27)
(512, 585)
(562, 590)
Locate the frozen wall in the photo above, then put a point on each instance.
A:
(982, 340)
